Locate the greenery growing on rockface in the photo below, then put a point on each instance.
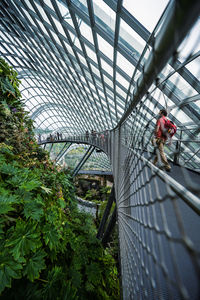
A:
(48, 250)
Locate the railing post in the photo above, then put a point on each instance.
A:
(177, 151)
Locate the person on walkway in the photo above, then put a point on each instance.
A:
(160, 140)
(87, 135)
(39, 138)
(93, 134)
(102, 138)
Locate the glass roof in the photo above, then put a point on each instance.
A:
(79, 62)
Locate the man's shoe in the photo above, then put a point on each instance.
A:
(168, 169)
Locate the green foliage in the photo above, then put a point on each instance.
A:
(48, 250)
(22, 239)
(9, 269)
(34, 265)
(92, 195)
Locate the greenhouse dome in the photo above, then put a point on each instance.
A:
(94, 76)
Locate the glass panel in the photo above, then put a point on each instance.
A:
(122, 80)
(28, 16)
(182, 117)
(146, 12)
(180, 86)
(43, 28)
(106, 67)
(58, 26)
(48, 2)
(110, 93)
(77, 44)
(129, 39)
(120, 101)
(122, 93)
(42, 12)
(91, 54)
(125, 65)
(63, 10)
(86, 32)
(5, 39)
(104, 16)
(69, 48)
(95, 70)
(29, 5)
(105, 47)
(191, 43)
(194, 67)
(108, 81)
(82, 59)
(82, 4)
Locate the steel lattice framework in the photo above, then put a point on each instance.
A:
(94, 65)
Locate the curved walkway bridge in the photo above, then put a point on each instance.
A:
(157, 216)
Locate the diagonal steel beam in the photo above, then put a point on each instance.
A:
(106, 213)
(60, 153)
(83, 160)
(110, 227)
(63, 153)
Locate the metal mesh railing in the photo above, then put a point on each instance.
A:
(158, 221)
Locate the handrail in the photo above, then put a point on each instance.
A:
(186, 195)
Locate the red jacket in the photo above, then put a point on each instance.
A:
(159, 128)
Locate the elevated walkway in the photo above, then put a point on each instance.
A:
(158, 219)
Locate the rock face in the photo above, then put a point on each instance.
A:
(87, 206)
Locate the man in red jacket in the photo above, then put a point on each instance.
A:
(160, 139)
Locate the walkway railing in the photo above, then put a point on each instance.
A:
(158, 219)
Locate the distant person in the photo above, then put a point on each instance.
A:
(51, 137)
(58, 136)
(93, 134)
(87, 135)
(102, 137)
(159, 140)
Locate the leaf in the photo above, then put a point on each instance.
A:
(51, 236)
(9, 269)
(24, 239)
(76, 278)
(52, 288)
(8, 169)
(6, 201)
(93, 272)
(47, 190)
(6, 86)
(62, 203)
(30, 185)
(34, 265)
(34, 209)
(89, 287)
(1, 229)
